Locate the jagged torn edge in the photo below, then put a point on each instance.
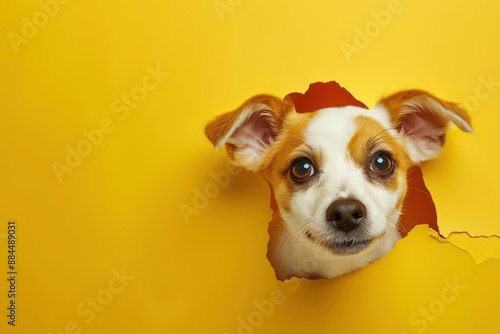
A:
(481, 253)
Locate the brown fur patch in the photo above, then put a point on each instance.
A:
(409, 101)
(223, 124)
(371, 137)
(289, 145)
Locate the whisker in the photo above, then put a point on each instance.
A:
(292, 232)
(301, 237)
(421, 191)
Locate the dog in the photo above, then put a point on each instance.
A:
(338, 175)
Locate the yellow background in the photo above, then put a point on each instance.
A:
(119, 209)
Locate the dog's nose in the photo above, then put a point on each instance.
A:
(346, 214)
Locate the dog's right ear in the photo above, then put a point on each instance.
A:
(249, 130)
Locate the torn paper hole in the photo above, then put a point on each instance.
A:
(344, 186)
(418, 207)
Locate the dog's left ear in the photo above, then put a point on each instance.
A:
(424, 119)
(249, 130)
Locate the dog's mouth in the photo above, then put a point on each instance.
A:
(350, 246)
(346, 245)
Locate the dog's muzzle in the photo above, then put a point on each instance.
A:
(347, 219)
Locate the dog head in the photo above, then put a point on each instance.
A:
(338, 174)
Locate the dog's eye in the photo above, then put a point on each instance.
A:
(382, 164)
(302, 170)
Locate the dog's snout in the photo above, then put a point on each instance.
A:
(346, 214)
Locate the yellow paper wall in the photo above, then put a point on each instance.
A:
(103, 162)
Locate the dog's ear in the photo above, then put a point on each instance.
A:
(249, 130)
(424, 119)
